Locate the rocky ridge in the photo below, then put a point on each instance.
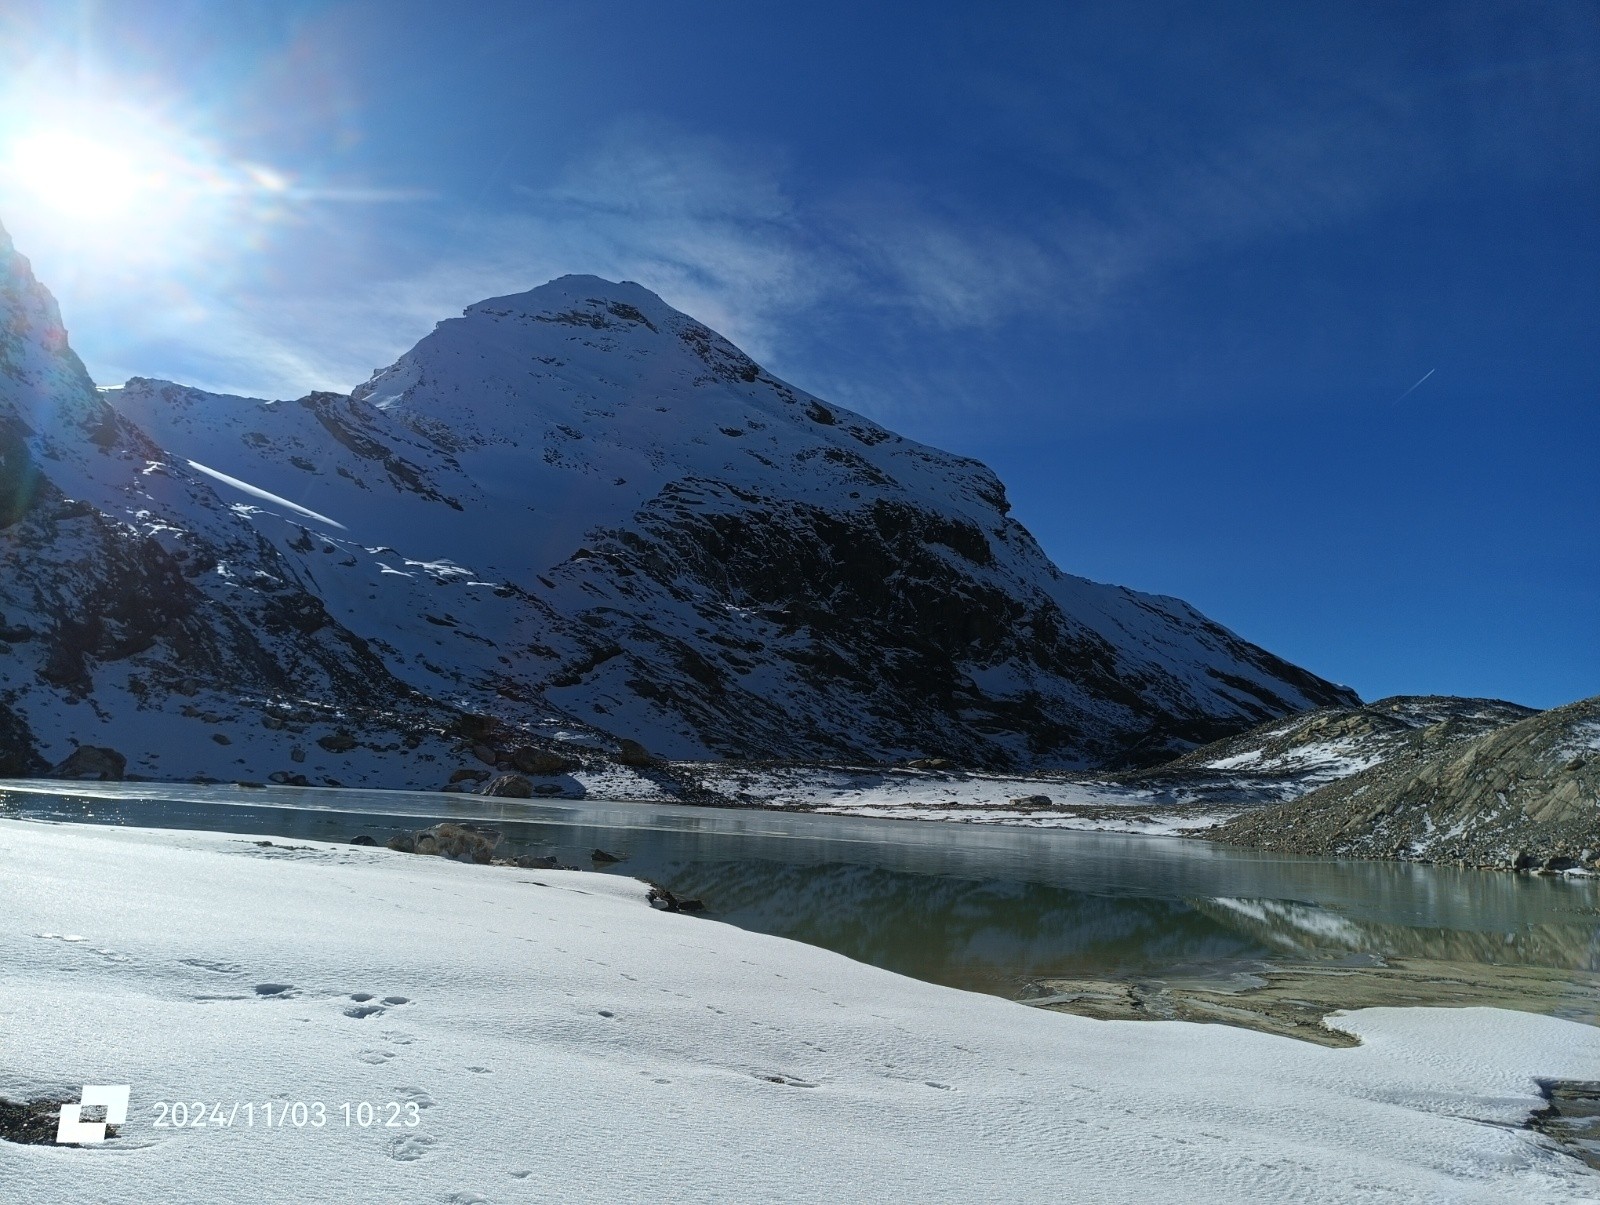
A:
(1286, 759)
(1523, 795)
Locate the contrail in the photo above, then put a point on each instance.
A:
(1414, 388)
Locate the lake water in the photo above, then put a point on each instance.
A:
(986, 908)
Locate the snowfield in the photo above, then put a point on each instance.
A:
(561, 1040)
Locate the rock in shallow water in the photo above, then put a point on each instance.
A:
(459, 842)
(509, 786)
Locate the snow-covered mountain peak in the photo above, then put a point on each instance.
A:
(576, 293)
(580, 349)
(578, 403)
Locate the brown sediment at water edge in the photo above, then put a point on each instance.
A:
(1293, 998)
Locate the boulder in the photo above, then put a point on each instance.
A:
(600, 855)
(338, 742)
(664, 901)
(93, 761)
(509, 786)
(473, 727)
(539, 761)
(459, 842)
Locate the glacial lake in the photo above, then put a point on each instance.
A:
(986, 908)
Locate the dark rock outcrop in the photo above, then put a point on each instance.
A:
(93, 761)
(18, 757)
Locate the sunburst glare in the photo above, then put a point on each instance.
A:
(133, 190)
(83, 178)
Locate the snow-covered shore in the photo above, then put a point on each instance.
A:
(1061, 800)
(560, 1040)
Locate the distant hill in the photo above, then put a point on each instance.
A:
(1485, 783)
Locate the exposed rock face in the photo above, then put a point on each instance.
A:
(17, 756)
(1526, 794)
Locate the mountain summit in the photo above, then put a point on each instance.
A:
(579, 507)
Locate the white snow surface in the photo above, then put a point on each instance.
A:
(561, 1041)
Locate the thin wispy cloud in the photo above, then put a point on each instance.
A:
(733, 235)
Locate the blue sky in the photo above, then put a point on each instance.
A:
(1167, 267)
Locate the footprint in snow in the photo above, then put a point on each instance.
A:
(408, 1148)
(375, 1057)
(364, 1009)
(282, 991)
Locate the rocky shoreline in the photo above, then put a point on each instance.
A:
(1294, 999)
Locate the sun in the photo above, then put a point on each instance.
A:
(117, 192)
(82, 178)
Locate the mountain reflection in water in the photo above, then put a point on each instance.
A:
(984, 908)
